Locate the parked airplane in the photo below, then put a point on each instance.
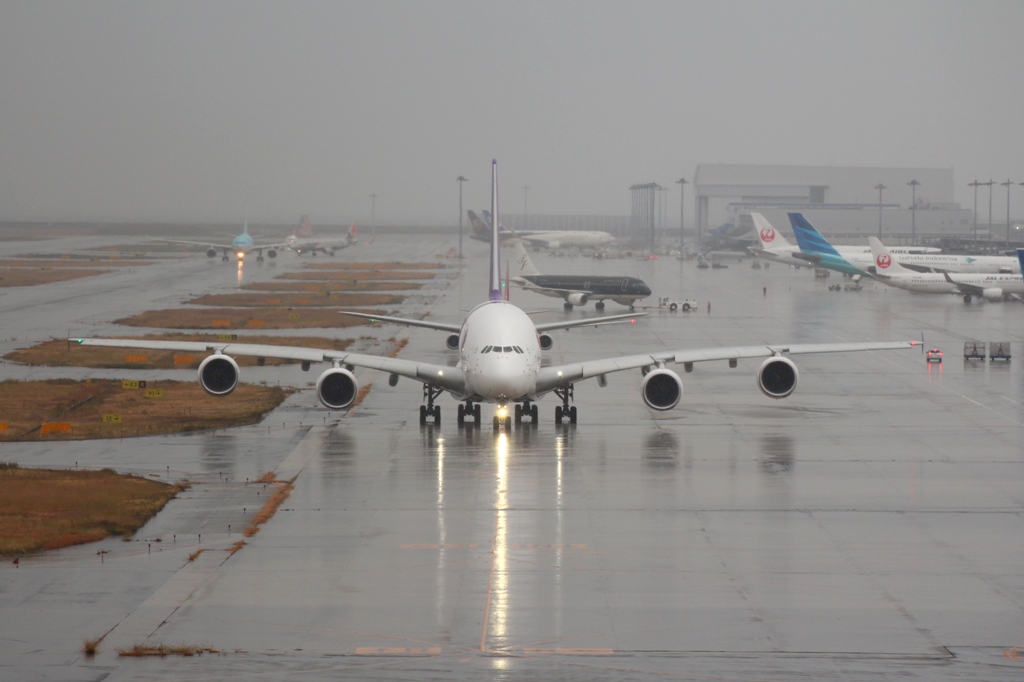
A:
(991, 287)
(816, 250)
(578, 289)
(241, 245)
(500, 361)
(303, 241)
(548, 240)
(776, 247)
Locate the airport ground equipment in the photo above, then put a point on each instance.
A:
(999, 350)
(974, 350)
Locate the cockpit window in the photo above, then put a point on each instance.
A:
(517, 349)
(508, 349)
(487, 349)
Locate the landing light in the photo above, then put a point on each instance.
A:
(440, 373)
(502, 412)
(241, 254)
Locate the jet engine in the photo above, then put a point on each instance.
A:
(218, 374)
(993, 294)
(211, 253)
(777, 377)
(337, 388)
(452, 342)
(546, 342)
(577, 299)
(271, 253)
(661, 389)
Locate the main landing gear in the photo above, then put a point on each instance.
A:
(599, 305)
(470, 411)
(526, 409)
(564, 411)
(430, 410)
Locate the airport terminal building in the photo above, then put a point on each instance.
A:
(916, 204)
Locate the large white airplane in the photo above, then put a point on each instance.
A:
(303, 241)
(240, 246)
(499, 362)
(775, 247)
(549, 240)
(991, 287)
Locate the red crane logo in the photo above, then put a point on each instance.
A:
(767, 235)
(884, 261)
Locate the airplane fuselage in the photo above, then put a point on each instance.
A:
(935, 283)
(624, 290)
(499, 352)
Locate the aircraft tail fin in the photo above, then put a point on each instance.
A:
(885, 264)
(351, 236)
(494, 283)
(808, 238)
(766, 232)
(1020, 259)
(305, 229)
(526, 267)
(480, 228)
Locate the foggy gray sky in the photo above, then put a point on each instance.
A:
(191, 111)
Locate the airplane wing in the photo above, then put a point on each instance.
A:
(966, 289)
(439, 326)
(208, 245)
(449, 378)
(559, 376)
(588, 322)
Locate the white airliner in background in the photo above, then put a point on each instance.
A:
(499, 349)
(554, 239)
(775, 247)
(303, 240)
(991, 287)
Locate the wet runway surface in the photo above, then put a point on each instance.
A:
(869, 526)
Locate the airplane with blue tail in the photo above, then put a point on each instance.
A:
(817, 251)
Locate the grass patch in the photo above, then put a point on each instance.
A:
(44, 509)
(269, 508)
(68, 262)
(318, 299)
(326, 287)
(227, 319)
(58, 353)
(162, 650)
(28, 277)
(64, 409)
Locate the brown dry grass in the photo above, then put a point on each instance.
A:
(399, 347)
(245, 318)
(195, 555)
(91, 646)
(269, 508)
(162, 650)
(383, 265)
(27, 277)
(361, 394)
(268, 477)
(43, 509)
(70, 262)
(333, 285)
(356, 275)
(26, 405)
(59, 353)
(298, 300)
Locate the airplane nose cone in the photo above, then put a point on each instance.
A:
(502, 378)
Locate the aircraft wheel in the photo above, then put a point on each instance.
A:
(423, 414)
(224, 259)
(461, 414)
(599, 305)
(567, 305)
(476, 413)
(260, 259)
(497, 423)
(508, 423)
(572, 414)
(967, 299)
(533, 413)
(519, 413)
(558, 414)
(437, 414)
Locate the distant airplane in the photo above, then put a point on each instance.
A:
(303, 241)
(240, 246)
(578, 289)
(990, 287)
(817, 251)
(499, 349)
(550, 240)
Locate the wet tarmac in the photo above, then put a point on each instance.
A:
(869, 526)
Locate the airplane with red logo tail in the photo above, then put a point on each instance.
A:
(989, 287)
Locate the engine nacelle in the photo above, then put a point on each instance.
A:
(218, 374)
(337, 388)
(661, 389)
(777, 377)
(993, 294)
(577, 299)
(211, 253)
(452, 342)
(271, 253)
(546, 342)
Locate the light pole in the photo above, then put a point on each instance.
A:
(682, 193)
(1007, 186)
(880, 187)
(975, 185)
(989, 184)
(373, 215)
(460, 180)
(913, 210)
